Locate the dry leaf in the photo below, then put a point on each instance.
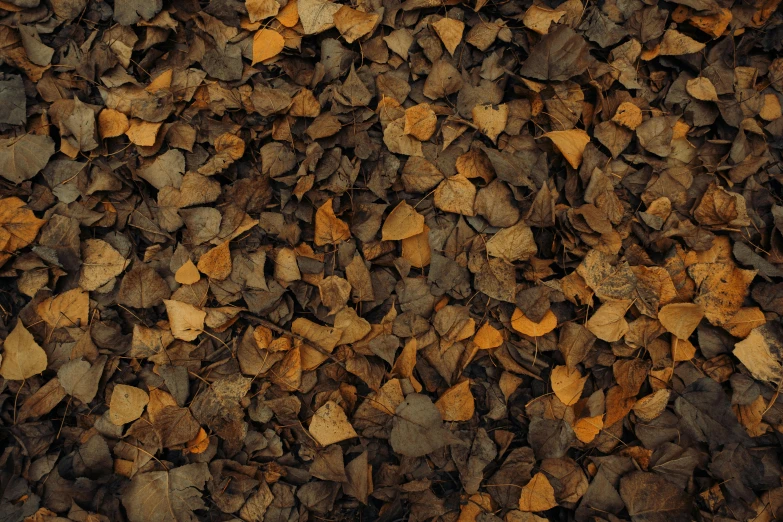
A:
(187, 274)
(22, 357)
(652, 406)
(354, 24)
(571, 144)
(761, 352)
(457, 404)
(539, 18)
(71, 308)
(608, 322)
(127, 404)
(403, 222)
(537, 495)
(513, 244)
(416, 249)
(266, 44)
(330, 425)
(420, 122)
(261, 9)
(567, 384)
(450, 33)
(681, 319)
(456, 194)
(186, 321)
(628, 115)
(317, 15)
(588, 428)
(523, 325)
(675, 43)
(18, 227)
(101, 264)
(491, 120)
(702, 89)
(329, 230)
(216, 263)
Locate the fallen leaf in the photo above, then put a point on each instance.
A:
(266, 44)
(187, 274)
(22, 356)
(329, 230)
(608, 322)
(330, 425)
(186, 321)
(127, 404)
(567, 384)
(354, 24)
(457, 404)
(488, 337)
(450, 33)
(571, 144)
(403, 222)
(537, 495)
(101, 264)
(681, 319)
(523, 325)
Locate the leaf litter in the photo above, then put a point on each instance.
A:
(270, 260)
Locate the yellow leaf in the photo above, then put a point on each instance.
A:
(457, 404)
(403, 222)
(488, 337)
(142, 133)
(330, 425)
(329, 230)
(22, 356)
(187, 274)
(567, 384)
(571, 144)
(267, 44)
(523, 325)
(587, 428)
(199, 444)
(112, 123)
(490, 120)
(18, 227)
(537, 495)
(289, 15)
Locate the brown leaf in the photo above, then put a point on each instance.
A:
(457, 404)
(354, 24)
(186, 321)
(681, 319)
(127, 404)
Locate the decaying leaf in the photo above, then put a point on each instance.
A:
(22, 356)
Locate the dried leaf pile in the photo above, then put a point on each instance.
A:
(291, 260)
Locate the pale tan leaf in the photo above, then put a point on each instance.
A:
(186, 321)
(127, 404)
(22, 356)
(567, 384)
(330, 425)
(450, 33)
